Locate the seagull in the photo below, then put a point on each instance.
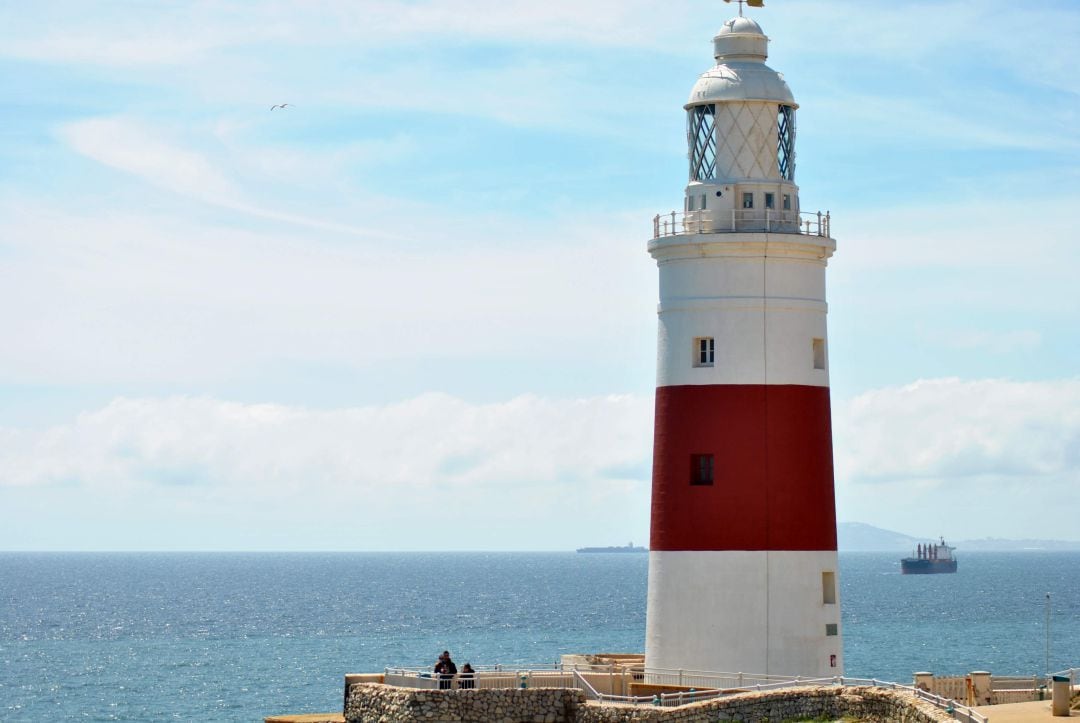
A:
(283, 105)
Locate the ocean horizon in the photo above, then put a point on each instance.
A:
(239, 636)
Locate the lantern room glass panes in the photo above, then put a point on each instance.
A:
(701, 137)
(785, 142)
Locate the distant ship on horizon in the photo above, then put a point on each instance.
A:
(628, 547)
(930, 559)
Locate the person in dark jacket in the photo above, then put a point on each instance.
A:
(466, 681)
(445, 670)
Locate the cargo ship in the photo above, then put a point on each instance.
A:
(931, 558)
(628, 547)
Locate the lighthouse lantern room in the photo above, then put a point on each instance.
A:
(743, 563)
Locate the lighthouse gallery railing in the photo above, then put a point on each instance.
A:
(739, 220)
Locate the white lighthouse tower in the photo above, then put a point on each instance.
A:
(743, 564)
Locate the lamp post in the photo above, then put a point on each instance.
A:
(1048, 633)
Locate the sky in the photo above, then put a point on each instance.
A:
(413, 310)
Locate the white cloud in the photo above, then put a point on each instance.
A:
(546, 464)
(973, 233)
(129, 145)
(967, 458)
(151, 35)
(129, 299)
(953, 429)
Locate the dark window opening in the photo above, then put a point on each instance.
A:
(701, 138)
(704, 351)
(748, 200)
(785, 142)
(701, 469)
(770, 201)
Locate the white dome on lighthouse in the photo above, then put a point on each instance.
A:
(740, 73)
(740, 38)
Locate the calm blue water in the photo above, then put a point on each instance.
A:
(147, 637)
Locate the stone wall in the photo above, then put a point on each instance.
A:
(370, 703)
(829, 702)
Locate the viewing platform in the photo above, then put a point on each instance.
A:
(611, 688)
(742, 221)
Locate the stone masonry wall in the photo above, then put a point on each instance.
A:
(828, 702)
(370, 703)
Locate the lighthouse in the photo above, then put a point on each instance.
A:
(742, 563)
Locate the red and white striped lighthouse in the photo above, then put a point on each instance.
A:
(743, 564)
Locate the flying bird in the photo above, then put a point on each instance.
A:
(282, 105)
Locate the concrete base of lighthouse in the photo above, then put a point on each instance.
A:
(713, 611)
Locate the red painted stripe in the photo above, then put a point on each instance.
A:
(773, 486)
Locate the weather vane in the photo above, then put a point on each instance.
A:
(751, 3)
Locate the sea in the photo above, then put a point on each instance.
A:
(240, 636)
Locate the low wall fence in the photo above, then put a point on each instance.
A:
(982, 688)
(955, 687)
(368, 702)
(685, 687)
(952, 707)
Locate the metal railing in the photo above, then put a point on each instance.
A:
(703, 685)
(738, 220)
(1009, 682)
(1070, 673)
(488, 677)
(957, 710)
(721, 687)
(706, 679)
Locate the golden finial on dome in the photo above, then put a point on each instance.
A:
(751, 3)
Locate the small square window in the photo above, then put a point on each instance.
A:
(748, 200)
(832, 629)
(787, 202)
(703, 204)
(689, 203)
(819, 353)
(770, 200)
(701, 469)
(704, 351)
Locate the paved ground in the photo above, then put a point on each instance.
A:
(1020, 712)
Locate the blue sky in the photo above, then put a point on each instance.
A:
(414, 310)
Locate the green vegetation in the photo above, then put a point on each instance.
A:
(821, 719)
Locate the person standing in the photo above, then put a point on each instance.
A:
(445, 670)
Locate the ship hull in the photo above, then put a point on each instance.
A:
(915, 566)
(613, 549)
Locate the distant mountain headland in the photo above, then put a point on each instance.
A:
(861, 537)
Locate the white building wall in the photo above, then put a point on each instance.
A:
(762, 312)
(782, 632)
